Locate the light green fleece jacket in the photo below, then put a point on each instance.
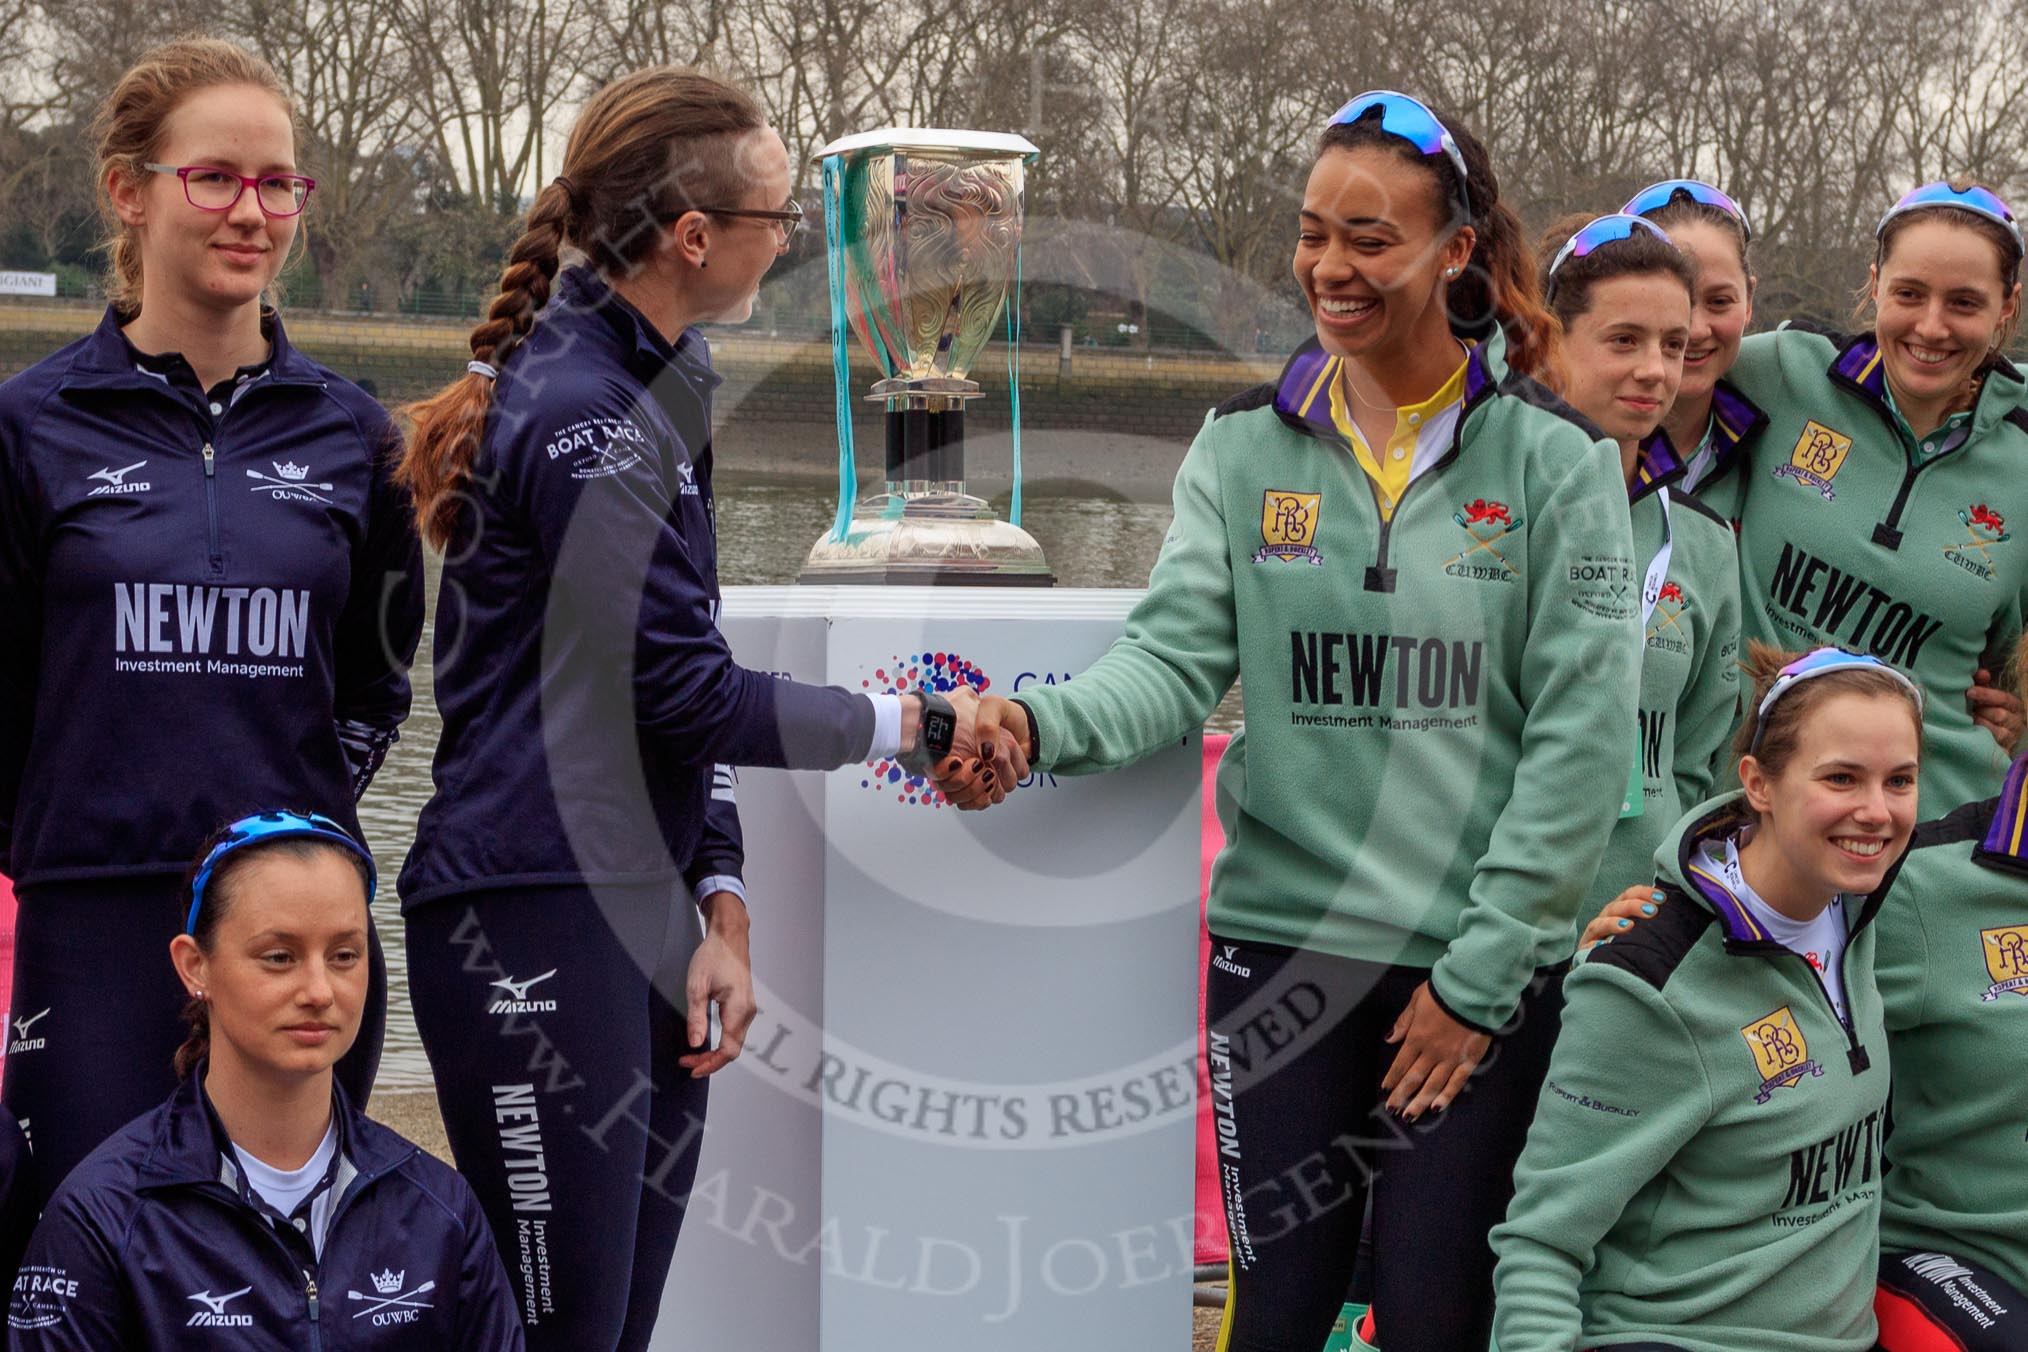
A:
(1689, 666)
(1853, 533)
(1704, 1165)
(1439, 706)
(1953, 969)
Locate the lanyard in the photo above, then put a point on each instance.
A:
(1658, 568)
(1633, 802)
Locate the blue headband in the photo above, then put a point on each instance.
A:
(1822, 662)
(273, 826)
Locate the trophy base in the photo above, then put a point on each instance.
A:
(939, 537)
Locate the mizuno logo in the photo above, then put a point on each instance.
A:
(516, 1000)
(116, 476)
(213, 1314)
(115, 481)
(519, 989)
(1225, 962)
(24, 1043)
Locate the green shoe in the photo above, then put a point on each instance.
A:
(1345, 1333)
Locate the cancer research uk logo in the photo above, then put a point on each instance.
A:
(941, 672)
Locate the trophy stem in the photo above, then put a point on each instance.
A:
(926, 445)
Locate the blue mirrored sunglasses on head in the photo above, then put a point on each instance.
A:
(1658, 195)
(1821, 662)
(1978, 200)
(269, 826)
(1605, 230)
(1407, 118)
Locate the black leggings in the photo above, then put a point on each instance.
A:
(1935, 1302)
(1304, 1133)
(96, 1017)
(554, 1045)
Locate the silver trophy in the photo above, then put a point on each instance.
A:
(925, 240)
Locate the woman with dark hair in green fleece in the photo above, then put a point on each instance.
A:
(1624, 294)
(1703, 1171)
(1951, 958)
(1881, 506)
(1710, 420)
(1419, 561)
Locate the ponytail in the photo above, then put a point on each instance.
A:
(1499, 284)
(197, 1043)
(659, 136)
(1502, 280)
(445, 441)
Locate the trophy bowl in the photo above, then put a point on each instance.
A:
(923, 232)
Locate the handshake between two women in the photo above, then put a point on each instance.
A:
(991, 748)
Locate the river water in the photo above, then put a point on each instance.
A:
(765, 528)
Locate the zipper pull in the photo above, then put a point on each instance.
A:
(309, 1282)
(209, 467)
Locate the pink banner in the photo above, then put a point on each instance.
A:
(1211, 1240)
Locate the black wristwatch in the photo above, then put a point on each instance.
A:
(933, 733)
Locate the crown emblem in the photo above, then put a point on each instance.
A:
(388, 1283)
(292, 471)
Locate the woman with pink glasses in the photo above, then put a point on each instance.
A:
(209, 590)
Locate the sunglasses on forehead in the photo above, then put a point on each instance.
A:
(1605, 230)
(1658, 195)
(1821, 662)
(270, 826)
(1407, 118)
(1978, 200)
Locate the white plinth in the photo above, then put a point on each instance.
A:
(964, 1121)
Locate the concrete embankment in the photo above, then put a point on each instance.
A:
(1106, 423)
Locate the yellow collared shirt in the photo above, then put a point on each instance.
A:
(1422, 433)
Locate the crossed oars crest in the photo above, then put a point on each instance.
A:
(1482, 511)
(1979, 520)
(1668, 618)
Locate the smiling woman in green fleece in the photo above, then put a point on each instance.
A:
(1419, 561)
(1882, 504)
(1703, 1173)
(1951, 957)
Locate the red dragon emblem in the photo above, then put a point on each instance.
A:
(1479, 509)
(1671, 592)
(1982, 515)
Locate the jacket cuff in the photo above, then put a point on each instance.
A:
(365, 747)
(1034, 748)
(1447, 1007)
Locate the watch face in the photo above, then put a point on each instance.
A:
(938, 728)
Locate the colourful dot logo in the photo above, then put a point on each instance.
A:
(902, 673)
